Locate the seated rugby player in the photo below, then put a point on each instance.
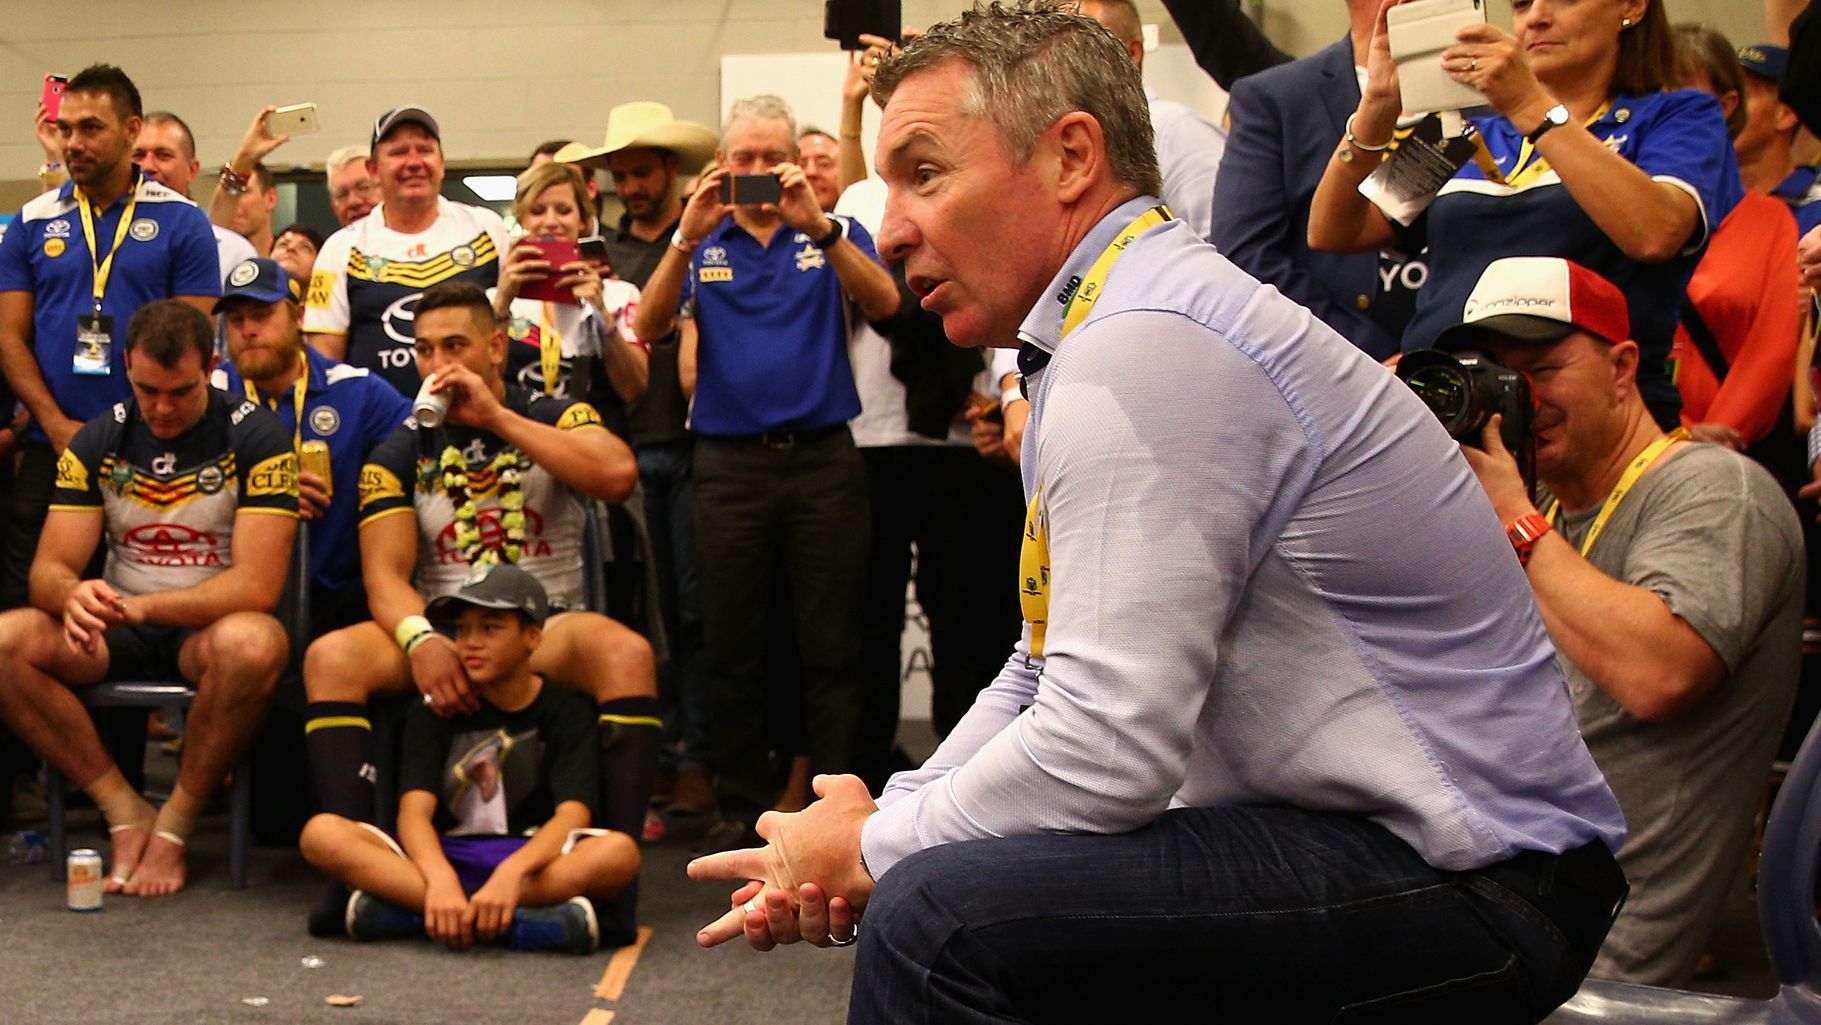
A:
(504, 478)
(195, 493)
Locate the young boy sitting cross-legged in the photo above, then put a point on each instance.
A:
(494, 806)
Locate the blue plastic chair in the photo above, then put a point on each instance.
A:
(1786, 911)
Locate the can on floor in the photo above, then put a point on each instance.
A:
(84, 875)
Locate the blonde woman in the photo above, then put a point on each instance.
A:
(550, 339)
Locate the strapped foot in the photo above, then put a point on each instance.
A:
(129, 840)
(161, 870)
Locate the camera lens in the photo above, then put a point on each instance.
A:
(1445, 390)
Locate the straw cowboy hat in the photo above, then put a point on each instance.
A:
(645, 124)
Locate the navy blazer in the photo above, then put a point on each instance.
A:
(1286, 122)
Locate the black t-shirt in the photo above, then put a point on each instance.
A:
(498, 773)
(660, 415)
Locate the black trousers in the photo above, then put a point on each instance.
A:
(963, 514)
(794, 509)
(22, 515)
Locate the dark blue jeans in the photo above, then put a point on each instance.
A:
(666, 472)
(1227, 914)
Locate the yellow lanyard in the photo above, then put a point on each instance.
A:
(1529, 166)
(1034, 553)
(1626, 481)
(104, 266)
(1082, 302)
(298, 388)
(550, 349)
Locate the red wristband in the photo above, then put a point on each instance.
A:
(1524, 533)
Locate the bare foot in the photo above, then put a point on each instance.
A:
(129, 846)
(161, 870)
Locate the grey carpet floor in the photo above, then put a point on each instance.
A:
(199, 956)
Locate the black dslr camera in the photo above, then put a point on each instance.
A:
(847, 19)
(1464, 390)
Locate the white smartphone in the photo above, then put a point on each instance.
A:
(296, 119)
(1419, 31)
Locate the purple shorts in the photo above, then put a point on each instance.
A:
(475, 857)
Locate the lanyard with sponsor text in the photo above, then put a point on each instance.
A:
(550, 349)
(1626, 481)
(104, 266)
(1034, 553)
(298, 388)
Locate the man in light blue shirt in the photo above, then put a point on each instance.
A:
(1284, 738)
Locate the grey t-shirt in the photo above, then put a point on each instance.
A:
(1710, 533)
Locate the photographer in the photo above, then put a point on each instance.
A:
(1594, 161)
(779, 486)
(1670, 576)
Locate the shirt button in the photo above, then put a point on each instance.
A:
(1364, 302)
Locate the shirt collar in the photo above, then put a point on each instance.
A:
(1043, 326)
(1796, 186)
(66, 193)
(625, 231)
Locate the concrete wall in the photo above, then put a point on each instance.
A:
(501, 77)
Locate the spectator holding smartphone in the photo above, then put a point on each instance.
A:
(780, 488)
(549, 337)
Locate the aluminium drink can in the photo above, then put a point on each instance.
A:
(84, 875)
(314, 457)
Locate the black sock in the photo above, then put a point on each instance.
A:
(340, 741)
(631, 734)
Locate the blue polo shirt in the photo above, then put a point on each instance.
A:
(353, 411)
(1802, 195)
(168, 251)
(1678, 138)
(773, 323)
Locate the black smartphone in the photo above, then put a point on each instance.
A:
(592, 247)
(751, 189)
(847, 20)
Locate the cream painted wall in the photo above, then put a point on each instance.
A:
(502, 78)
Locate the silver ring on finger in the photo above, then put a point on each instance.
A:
(429, 701)
(752, 905)
(846, 942)
(1473, 64)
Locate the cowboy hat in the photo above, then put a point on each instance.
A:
(643, 124)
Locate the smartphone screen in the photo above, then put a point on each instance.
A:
(591, 247)
(751, 189)
(52, 97)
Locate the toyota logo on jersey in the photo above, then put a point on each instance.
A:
(172, 544)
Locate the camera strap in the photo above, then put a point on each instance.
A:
(1704, 339)
(1627, 480)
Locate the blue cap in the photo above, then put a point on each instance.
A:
(1764, 60)
(260, 280)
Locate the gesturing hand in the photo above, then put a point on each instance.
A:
(808, 855)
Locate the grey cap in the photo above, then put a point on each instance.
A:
(492, 586)
(408, 114)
